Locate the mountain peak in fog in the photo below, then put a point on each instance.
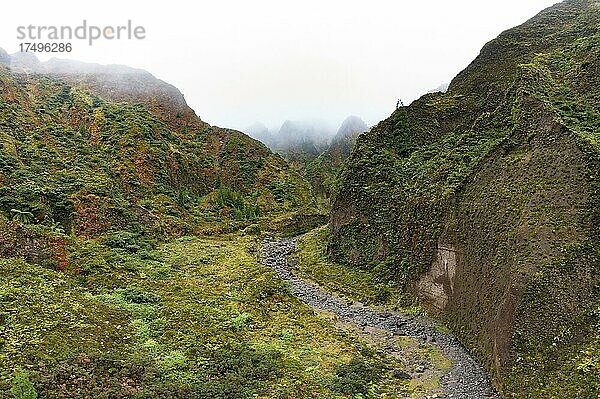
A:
(261, 133)
(119, 83)
(351, 126)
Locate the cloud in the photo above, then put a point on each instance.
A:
(238, 62)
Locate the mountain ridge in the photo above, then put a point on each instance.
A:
(322, 171)
(76, 160)
(474, 200)
(115, 82)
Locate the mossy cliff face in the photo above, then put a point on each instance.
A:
(483, 201)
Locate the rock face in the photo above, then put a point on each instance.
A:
(483, 202)
(311, 148)
(299, 133)
(437, 285)
(300, 142)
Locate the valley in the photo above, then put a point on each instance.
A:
(194, 318)
(451, 251)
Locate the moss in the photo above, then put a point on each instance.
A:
(502, 170)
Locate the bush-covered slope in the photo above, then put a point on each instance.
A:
(78, 165)
(484, 202)
(99, 165)
(321, 172)
(194, 319)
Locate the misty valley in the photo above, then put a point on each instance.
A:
(451, 250)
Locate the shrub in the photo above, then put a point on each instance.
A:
(357, 377)
(240, 321)
(173, 361)
(101, 375)
(251, 365)
(130, 242)
(22, 388)
(136, 295)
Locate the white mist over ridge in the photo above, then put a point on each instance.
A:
(298, 133)
(237, 62)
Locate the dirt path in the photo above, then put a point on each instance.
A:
(465, 378)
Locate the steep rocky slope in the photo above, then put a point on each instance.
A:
(483, 201)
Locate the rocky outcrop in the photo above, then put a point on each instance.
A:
(437, 284)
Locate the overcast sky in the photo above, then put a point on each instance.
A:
(243, 61)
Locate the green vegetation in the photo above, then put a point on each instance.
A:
(75, 162)
(193, 318)
(322, 171)
(357, 284)
(106, 290)
(497, 178)
(357, 378)
(22, 388)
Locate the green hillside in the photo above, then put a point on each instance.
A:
(104, 290)
(83, 166)
(483, 202)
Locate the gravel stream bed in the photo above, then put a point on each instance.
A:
(466, 378)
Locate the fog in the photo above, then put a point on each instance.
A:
(241, 62)
(293, 133)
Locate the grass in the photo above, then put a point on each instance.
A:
(349, 281)
(197, 317)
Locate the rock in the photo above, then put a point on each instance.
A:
(402, 375)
